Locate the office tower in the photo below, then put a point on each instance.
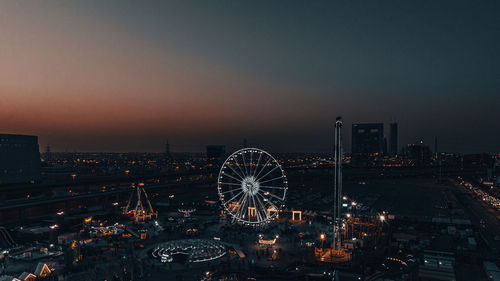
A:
(167, 157)
(436, 145)
(418, 154)
(167, 149)
(19, 159)
(367, 144)
(48, 154)
(393, 139)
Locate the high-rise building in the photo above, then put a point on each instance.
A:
(19, 159)
(166, 154)
(436, 145)
(393, 139)
(418, 154)
(48, 154)
(167, 151)
(367, 144)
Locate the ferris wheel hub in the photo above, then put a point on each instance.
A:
(250, 185)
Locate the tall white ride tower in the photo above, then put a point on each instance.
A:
(337, 190)
(336, 254)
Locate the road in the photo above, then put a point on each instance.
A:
(39, 202)
(478, 210)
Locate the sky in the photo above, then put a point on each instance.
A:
(125, 75)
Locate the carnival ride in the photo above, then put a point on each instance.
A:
(139, 212)
(192, 250)
(252, 187)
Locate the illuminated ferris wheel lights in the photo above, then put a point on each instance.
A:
(256, 184)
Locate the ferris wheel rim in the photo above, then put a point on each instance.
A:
(250, 191)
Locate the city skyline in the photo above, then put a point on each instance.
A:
(94, 76)
(249, 140)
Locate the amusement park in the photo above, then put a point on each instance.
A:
(248, 215)
(253, 233)
(243, 227)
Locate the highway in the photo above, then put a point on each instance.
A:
(480, 211)
(40, 202)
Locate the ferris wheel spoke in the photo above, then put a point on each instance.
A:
(234, 208)
(238, 174)
(263, 198)
(244, 212)
(232, 177)
(264, 176)
(250, 164)
(239, 193)
(236, 162)
(236, 205)
(257, 208)
(277, 197)
(272, 187)
(230, 183)
(273, 179)
(241, 210)
(239, 201)
(264, 212)
(244, 164)
(239, 167)
(263, 167)
(232, 190)
(257, 165)
(263, 206)
(261, 209)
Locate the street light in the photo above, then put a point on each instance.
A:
(322, 236)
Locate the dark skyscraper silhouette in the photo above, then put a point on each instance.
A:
(419, 154)
(435, 145)
(367, 143)
(393, 139)
(167, 149)
(167, 154)
(48, 153)
(19, 158)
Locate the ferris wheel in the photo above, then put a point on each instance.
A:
(252, 186)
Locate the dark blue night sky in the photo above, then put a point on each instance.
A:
(127, 75)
